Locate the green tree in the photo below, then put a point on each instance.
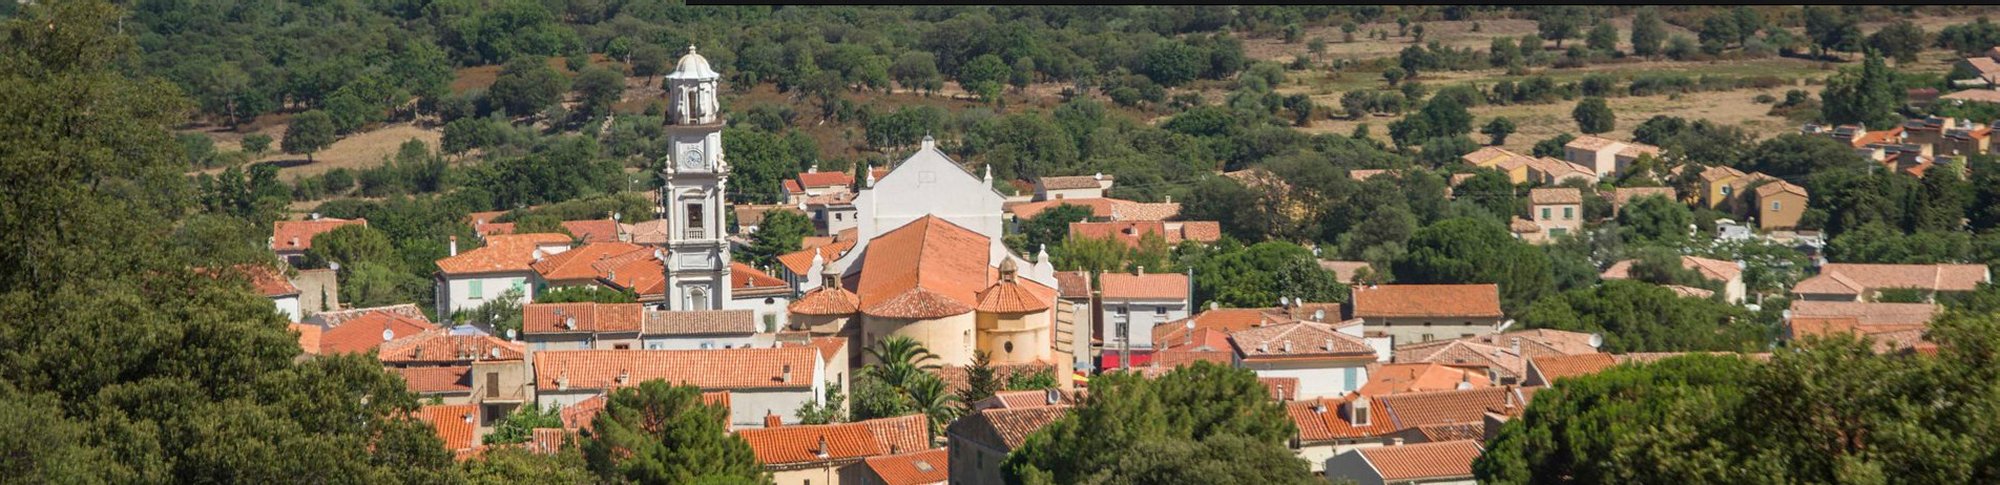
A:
(1593, 116)
(830, 408)
(1197, 424)
(1553, 146)
(779, 234)
(1603, 38)
(1655, 221)
(1867, 96)
(1558, 24)
(309, 132)
(662, 433)
(256, 143)
(1474, 250)
(1394, 75)
(582, 294)
(503, 465)
(526, 86)
(351, 245)
(1049, 228)
(1498, 129)
(1635, 316)
(597, 88)
(519, 426)
(1648, 33)
(1900, 41)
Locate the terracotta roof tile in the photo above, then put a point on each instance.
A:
(431, 380)
(1423, 461)
(1005, 428)
(1458, 406)
(1032, 398)
(1561, 195)
(929, 268)
(1145, 211)
(1073, 285)
(709, 369)
(1559, 366)
(1479, 301)
(581, 263)
(1801, 327)
(1592, 143)
(1464, 353)
(1010, 295)
(338, 317)
(786, 445)
(1720, 173)
(1203, 231)
(1130, 233)
(365, 333)
(1777, 186)
(457, 424)
(539, 318)
(1149, 286)
(745, 280)
(1452, 431)
(926, 467)
(826, 300)
(1281, 388)
(1713, 269)
(901, 433)
(595, 230)
(308, 337)
(502, 253)
(700, 322)
(549, 441)
(298, 235)
(1867, 313)
(800, 262)
(815, 180)
(1322, 419)
(583, 413)
(1297, 340)
(639, 271)
(1419, 377)
(1851, 278)
(1071, 182)
(439, 346)
(1344, 270)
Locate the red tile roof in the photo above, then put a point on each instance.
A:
(439, 346)
(786, 445)
(266, 280)
(365, 333)
(338, 317)
(1387, 301)
(700, 322)
(1006, 428)
(1777, 186)
(1073, 285)
(1853, 279)
(1321, 419)
(745, 281)
(1099, 208)
(1073, 182)
(1713, 269)
(430, 380)
(1225, 320)
(581, 263)
(826, 300)
(709, 369)
(1465, 353)
(582, 317)
(814, 180)
(308, 337)
(1420, 377)
(1423, 461)
(590, 231)
(1281, 388)
(1299, 340)
(1563, 195)
(1867, 313)
(548, 441)
(583, 413)
(929, 268)
(1466, 406)
(298, 235)
(1010, 295)
(457, 424)
(502, 253)
(800, 262)
(926, 467)
(1149, 286)
(1554, 367)
(639, 271)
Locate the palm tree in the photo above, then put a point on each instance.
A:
(927, 395)
(900, 359)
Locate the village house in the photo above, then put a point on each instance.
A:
(291, 239)
(456, 424)
(760, 381)
(1515, 165)
(1865, 282)
(1075, 187)
(1133, 233)
(1728, 273)
(463, 368)
(1132, 304)
(1544, 370)
(1893, 326)
(580, 326)
(1421, 377)
(470, 279)
(1502, 357)
(980, 442)
(1559, 211)
(832, 213)
(1421, 313)
(1028, 399)
(814, 182)
(1780, 204)
(1722, 185)
(1606, 157)
(1328, 426)
(704, 329)
(1984, 67)
(833, 454)
(1325, 361)
(1441, 463)
(364, 329)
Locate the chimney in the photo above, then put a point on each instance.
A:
(1099, 176)
(772, 420)
(1329, 344)
(468, 418)
(787, 376)
(1263, 347)
(1281, 393)
(295, 241)
(1288, 346)
(624, 377)
(562, 382)
(1516, 342)
(929, 143)
(1170, 199)
(1319, 406)
(1320, 316)
(1053, 395)
(822, 452)
(454, 245)
(1464, 380)
(1139, 271)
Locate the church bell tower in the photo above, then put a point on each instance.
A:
(697, 257)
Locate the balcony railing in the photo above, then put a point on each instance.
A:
(695, 233)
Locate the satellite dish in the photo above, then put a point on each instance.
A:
(333, 265)
(510, 334)
(1596, 340)
(388, 334)
(495, 352)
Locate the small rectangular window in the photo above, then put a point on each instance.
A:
(492, 384)
(1569, 213)
(1774, 205)
(1159, 311)
(1545, 213)
(621, 346)
(475, 289)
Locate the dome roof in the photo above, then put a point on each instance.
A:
(693, 66)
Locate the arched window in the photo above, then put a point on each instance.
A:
(697, 299)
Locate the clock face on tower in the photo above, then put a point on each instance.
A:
(692, 160)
